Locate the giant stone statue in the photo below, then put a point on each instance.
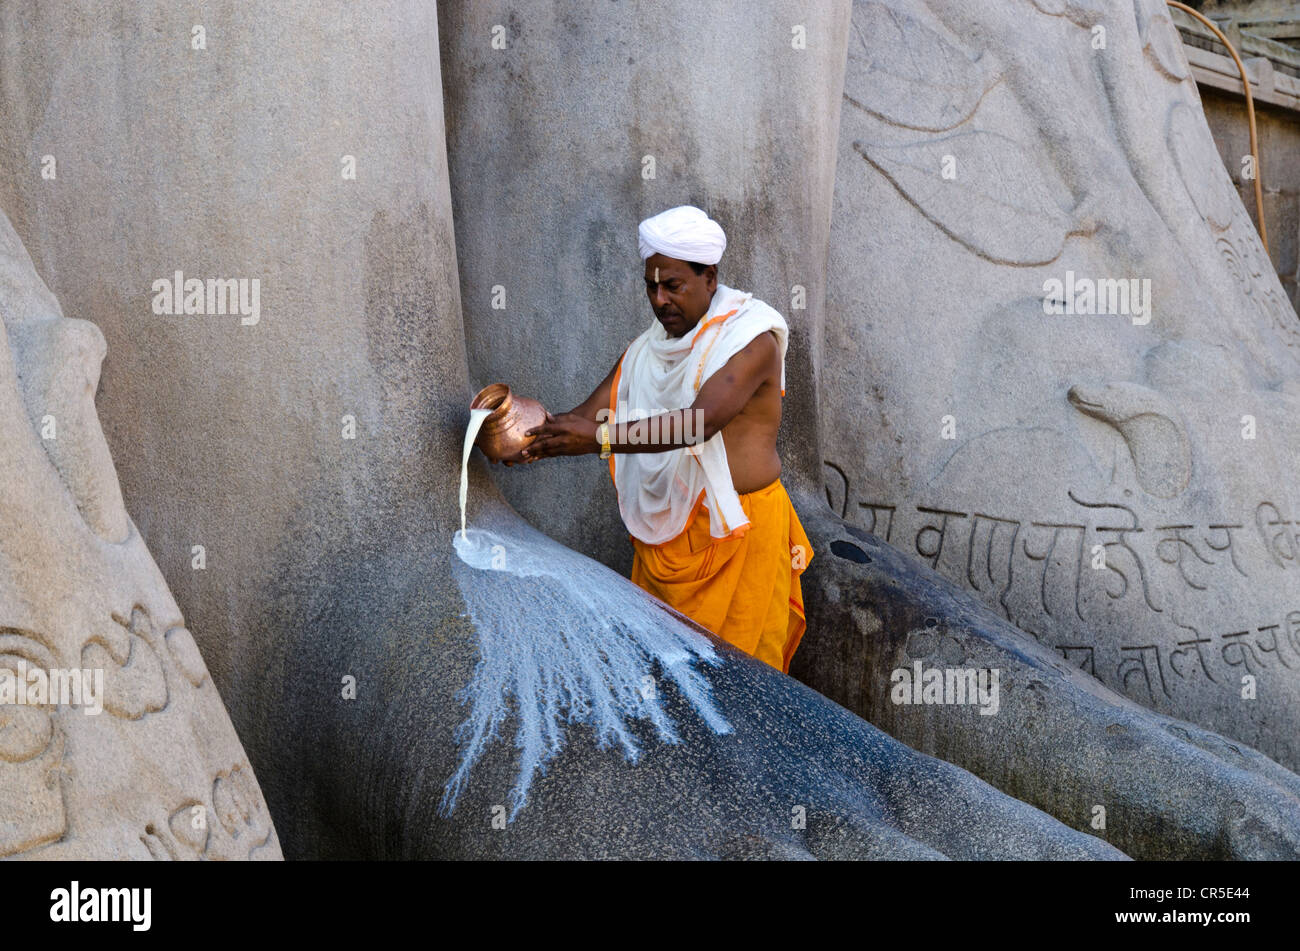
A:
(405, 690)
(1115, 481)
(1061, 741)
(114, 743)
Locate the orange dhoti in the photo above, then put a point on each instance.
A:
(744, 588)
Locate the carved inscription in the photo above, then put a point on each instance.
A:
(1062, 579)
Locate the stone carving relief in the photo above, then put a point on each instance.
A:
(91, 772)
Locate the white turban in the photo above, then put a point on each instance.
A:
(685, 233)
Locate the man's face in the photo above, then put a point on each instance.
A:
(679, 296)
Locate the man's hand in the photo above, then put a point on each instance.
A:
(564, 435)
(516, 460)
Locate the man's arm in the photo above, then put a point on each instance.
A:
(587, 410)
(726, 392)
(722, 396)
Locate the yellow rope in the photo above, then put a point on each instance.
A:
(1250, 117)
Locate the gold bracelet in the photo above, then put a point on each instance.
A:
(603, 433)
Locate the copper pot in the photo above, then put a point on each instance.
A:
(502, 435)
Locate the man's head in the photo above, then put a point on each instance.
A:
(679, 291)
(681, 248)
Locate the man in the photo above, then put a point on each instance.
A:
(714, 532)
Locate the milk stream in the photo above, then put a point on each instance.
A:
(563, 641)
(476, 417)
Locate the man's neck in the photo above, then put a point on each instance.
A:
(689, 330)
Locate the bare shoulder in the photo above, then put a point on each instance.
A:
(764, 345)
(763, 356)
(768, 347)
(760, 358)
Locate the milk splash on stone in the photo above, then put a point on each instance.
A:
(563, 639)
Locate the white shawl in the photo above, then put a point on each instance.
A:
(658, 491)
